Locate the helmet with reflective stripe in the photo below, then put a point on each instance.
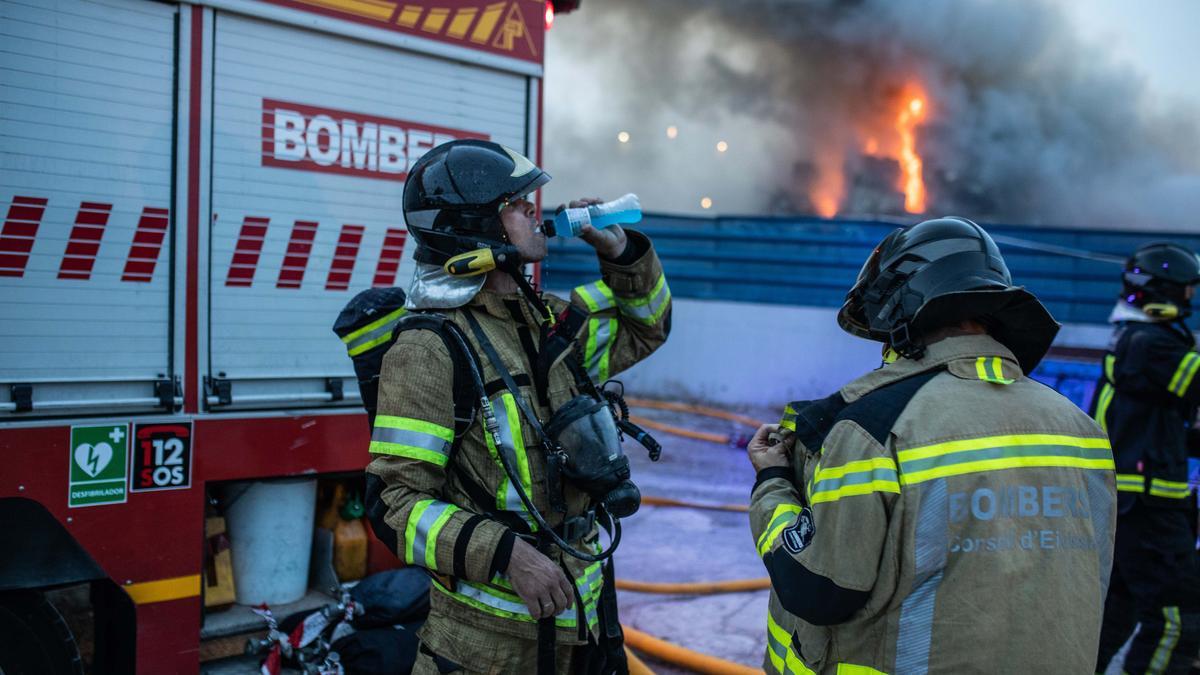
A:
(454, 194)
(938, 273)
(1156, 279)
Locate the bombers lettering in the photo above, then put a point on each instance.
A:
(1019, 501)
(308, 138)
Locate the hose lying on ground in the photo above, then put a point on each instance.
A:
(696, 587)
(691, 408)
(636, 665)
(667, 501)
(723, 439)
(680, 656)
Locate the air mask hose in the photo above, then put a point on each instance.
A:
(492, 427)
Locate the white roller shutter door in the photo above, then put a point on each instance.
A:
(86, 112)
(299, 226)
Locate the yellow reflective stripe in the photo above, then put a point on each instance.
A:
(1172, 627)
(995, 453)
(162, 590)
(781, 517)
(410, 529)
(588, 293)
(788, 420)
(994, 374)
(856, 490)
(1110, 364)
(373, 334)
(601, 335)
(413, 424)
(1169, 489)
(851, 669)
(856, 466)
(1131, 482)
(1013, 440)
(650, 307)
(408, 452)
(1106, 397)
(498, 603)
(514, 426)
(779, 650)
(1184, 372)
(392, 316)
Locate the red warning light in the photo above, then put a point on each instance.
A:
(549, 14)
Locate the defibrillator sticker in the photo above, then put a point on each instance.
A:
(162, 458)
(99, 463)
(797, 536)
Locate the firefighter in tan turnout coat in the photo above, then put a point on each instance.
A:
(945, 513)
(449, 501)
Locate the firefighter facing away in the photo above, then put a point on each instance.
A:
(1146, 400)
(944, 513)
(495, 457)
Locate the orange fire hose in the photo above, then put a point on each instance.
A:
(691, 408)
(667, 501)
(695, 588)
(636, 665)
(681, 656)
(722, 439)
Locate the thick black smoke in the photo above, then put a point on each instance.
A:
(1025, 122)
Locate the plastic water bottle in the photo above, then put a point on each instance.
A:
(627, 209)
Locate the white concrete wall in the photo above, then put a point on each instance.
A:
(748, 354)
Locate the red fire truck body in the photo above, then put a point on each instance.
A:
(190, 193)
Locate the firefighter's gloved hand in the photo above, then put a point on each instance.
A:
(763, 454)
(610, 241)
(542, 585)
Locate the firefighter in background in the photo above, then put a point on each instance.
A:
(944, 513)
(444, 492)
(1146, 401)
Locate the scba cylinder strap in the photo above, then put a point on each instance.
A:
(553, 453)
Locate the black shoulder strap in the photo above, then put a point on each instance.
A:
(465, 406)
(878, 411)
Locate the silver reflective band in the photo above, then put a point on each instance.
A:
(428, 518)
(649, 308)
(596, 295)
(412, 439)
(485, 596)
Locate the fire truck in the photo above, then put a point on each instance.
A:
(190, 193)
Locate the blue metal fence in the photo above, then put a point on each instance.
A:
(811, 261)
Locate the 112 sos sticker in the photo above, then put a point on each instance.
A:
(162, 458)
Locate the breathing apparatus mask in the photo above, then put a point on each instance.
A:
(582, 441)
(586, 432)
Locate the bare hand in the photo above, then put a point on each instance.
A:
(763, 453)
(609, 242)
(540, 583)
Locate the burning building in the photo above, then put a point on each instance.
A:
(988, 108)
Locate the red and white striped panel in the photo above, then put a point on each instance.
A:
(86, 123)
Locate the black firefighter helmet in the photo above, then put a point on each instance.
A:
(1157, 277)
(454, 194)
(941, 272)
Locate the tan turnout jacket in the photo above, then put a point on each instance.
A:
(474, 615)
(982, 529)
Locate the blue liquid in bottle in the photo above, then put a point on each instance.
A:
(626, 209)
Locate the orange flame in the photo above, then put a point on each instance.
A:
(912, 182)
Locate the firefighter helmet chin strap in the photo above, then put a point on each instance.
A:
(555, 456)
(503, 257)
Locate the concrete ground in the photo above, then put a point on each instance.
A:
(671, 544)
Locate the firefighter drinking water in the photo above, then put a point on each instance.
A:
(1146, 400)
(496, 458)
(944, 513)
